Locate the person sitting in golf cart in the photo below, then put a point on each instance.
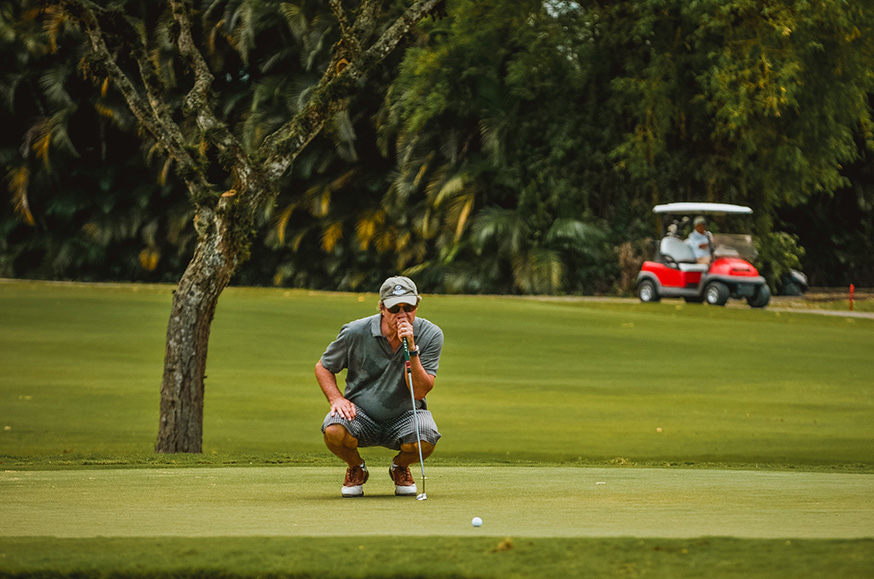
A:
(700, 241)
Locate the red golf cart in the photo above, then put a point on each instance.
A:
(676, 272)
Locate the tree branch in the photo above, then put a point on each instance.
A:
(198, 104)
(397, 31)
(345, 31)
(151, 113)
(365, 20)
(285, 144)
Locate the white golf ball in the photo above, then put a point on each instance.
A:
(477, 522)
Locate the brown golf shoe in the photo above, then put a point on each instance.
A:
(402, 477)
(356, 476)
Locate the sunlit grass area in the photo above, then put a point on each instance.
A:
(554, 381)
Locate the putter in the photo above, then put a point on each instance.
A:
(409, 366)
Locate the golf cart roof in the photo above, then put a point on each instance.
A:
(711, 208)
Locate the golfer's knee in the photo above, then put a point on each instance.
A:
(413, 448)
(337, 435)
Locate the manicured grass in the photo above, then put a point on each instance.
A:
(434, 557)
(539, 522)
(520, 380)
(528, 384)
(542, 501)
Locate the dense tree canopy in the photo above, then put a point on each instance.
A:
(520, 147)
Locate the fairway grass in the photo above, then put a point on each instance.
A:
(594, 438)
(520, 380)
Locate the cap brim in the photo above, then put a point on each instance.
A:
(393, 301)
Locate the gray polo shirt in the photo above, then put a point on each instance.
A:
(376, 378)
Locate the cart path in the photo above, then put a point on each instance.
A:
(837, 313)
(512, 501)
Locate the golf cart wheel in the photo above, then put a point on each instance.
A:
(647, 291)
(716, 293)
(761, 297)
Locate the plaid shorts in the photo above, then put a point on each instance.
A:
(401, 430)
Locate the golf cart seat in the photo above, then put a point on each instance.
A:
(676, 251)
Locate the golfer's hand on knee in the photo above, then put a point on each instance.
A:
(343, 408)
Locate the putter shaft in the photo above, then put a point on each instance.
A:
(409, 369)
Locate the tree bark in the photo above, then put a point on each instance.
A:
(194, 304)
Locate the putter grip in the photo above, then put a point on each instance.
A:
(407, 364)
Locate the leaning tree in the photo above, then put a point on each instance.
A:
(147, 53)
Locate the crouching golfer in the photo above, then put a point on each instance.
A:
(376, 408)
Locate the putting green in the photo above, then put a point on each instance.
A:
(512, 501)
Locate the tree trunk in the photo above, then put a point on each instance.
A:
(194, 303)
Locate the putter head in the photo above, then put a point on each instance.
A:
(422, 497)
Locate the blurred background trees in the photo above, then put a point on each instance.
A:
(517, 146)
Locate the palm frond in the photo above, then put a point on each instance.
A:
(8, 88)
(323, 203)
(492, 138)
(459, 212)
(239, 24)
(298, 240)
(345, 132)
(161, 59)
(407, 181)
(369, 226)
(295, 18)
(165, 171)
(539, 271)
(436, 183)
(59, 123)
(502, 228)
(18, 180)
(53, 83)
(331, 235)
(54, 23)
(450, 189)
(282, 222)
(345, 179)
(388, 240)
(577, 236)
(315, 46)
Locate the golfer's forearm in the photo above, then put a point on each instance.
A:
(327, 382)
(422, 381)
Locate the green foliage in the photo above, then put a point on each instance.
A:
(88, 203)
(558, 111)
(498, 121)
(761, 99)
(600, 112)
(837, 230)
(780, 253)
(84, 139)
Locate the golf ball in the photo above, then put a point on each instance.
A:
(477, 522)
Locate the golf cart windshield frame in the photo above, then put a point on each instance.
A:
(706, 208)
